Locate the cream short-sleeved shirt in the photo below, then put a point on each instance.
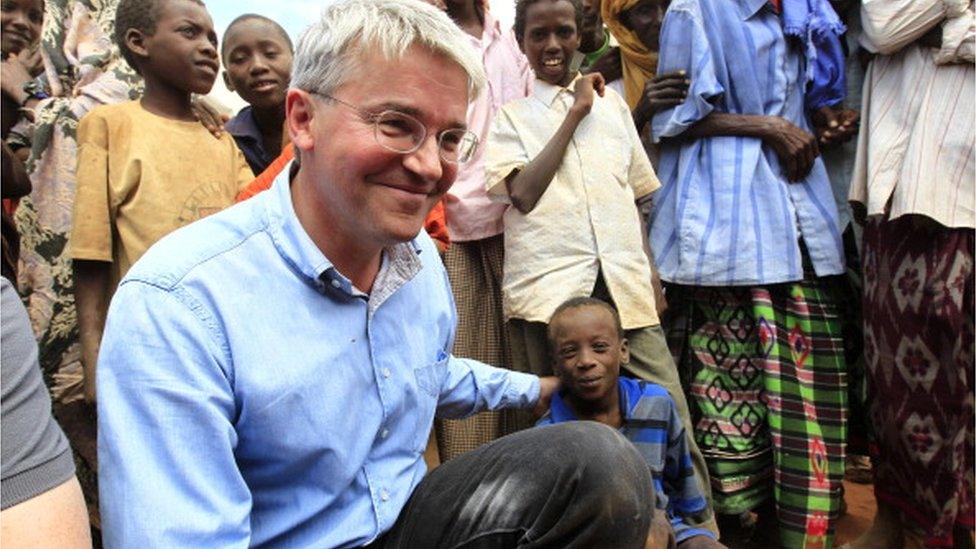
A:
(142, 176)
(587, 218)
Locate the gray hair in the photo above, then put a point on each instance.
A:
(330, 49)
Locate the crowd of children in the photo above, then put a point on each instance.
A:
(647, 216)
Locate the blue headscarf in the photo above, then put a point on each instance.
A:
(817, 26)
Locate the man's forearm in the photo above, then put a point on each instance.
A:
(527, 186)
(722, 123)
(91, 303)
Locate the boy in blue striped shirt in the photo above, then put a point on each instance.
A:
(589, 347)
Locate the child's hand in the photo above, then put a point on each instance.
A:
(584, 89)
(547, 387)
(209, 115)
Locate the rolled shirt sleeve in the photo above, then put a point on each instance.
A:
(471, 386)
(685, 46)
(505, 154)
(890, 25)
(958, 34)
(166, 437)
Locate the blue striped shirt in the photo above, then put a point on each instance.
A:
(725, 214)
(652, 424)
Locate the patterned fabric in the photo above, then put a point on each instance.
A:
(83, 70)
(765, 369)
(918, 322)
(652, 423)
(475, 271)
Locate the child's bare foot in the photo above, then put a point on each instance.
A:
(885, 533)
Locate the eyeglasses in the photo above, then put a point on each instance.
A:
(405, 134)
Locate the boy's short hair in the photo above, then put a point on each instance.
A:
(579, 302)
(522, 6)
(141, 15)
(249, 16)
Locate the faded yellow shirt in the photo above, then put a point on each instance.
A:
(141, 176)
(586, 220)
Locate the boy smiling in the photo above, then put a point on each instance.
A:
(589, 348)
(570, 162)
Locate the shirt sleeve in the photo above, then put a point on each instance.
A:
(685, 46)
(166, 412)
(34, 453)
(641, 174)
(471, 387)
(505, 154)
(91, 230)
(244, 174)
(890, 25)
(958, 34)
(685, 496)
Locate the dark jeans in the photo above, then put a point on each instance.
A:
(572, 485)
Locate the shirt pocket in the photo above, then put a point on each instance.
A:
(429, 379)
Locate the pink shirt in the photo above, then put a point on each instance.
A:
(471, 215)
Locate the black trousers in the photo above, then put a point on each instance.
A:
(571, 485)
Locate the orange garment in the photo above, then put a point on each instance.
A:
(435, 224)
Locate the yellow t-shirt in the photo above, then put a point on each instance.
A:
(142, 176)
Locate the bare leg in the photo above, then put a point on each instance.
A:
(885, 533)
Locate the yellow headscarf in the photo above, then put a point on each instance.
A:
(639, 63)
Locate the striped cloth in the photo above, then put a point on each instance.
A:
(765, 367)
(915, 150)
(652, 424)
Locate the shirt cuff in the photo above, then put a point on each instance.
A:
(523, 389)
(692, 532)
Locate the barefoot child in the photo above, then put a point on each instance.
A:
(146, 168)
(257, 56)
(589, 347)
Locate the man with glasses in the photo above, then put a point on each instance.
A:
(269, 375)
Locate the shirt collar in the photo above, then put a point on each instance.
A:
(547, 92)
(749, 8)
(298, 249)
(244, 125)
(559, 411)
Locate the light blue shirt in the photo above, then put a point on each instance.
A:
(249, 395)
(725, 214)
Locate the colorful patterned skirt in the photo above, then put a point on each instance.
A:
(764, 367)
(918, 324)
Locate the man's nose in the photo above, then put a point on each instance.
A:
(426, 161)
(259, 65)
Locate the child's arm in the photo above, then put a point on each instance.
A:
(687, 505)
(90, 242)
(91, 302)
(526, 186)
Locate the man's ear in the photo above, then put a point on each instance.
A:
(135, 40)
(299, 115)
(228, 82)
(624, 351)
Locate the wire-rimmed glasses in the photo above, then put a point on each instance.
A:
(402, 133)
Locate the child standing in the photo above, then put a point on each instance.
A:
(589, 348)
(570, 162)
(146, 168)
(257, 56)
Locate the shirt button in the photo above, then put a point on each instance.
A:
(336, 283)
(384, 433)
(384, 495)
(386, 373)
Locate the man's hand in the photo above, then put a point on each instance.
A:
(663, 92)
(584, 90)
(834, 126)
(797, 149)
(547, 387)
(610, 65)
